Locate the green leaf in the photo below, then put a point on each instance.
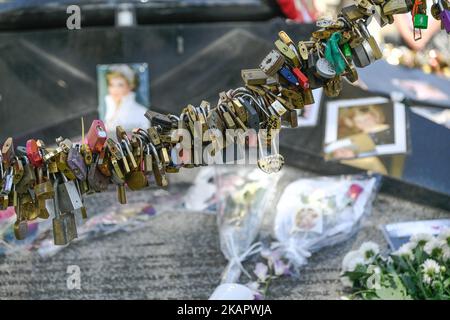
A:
(447, 283)
(391, 293)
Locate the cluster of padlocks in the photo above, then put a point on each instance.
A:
(35, 175)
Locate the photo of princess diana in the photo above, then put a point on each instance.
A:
(364, 127)
(123, 93)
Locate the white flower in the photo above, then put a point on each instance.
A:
(421, 239)
(373, 269)
(430, 269)
(427, 279)
(261, 271)
(346, 282)
(445, 236)
(358, 261)
(434, 247)
(350, 256)
(369, 250)
(405, 251)
(446, 254)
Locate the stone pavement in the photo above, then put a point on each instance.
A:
(177, 256)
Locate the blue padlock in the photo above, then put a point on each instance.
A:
(286, 73)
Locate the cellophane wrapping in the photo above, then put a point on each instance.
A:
(244, 194)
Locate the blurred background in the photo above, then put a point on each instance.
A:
(195, 49)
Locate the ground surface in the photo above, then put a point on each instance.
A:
(177, 256)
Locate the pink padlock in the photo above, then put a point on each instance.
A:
(96, 136)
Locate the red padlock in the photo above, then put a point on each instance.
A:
(96, 136)
(33, 154)
(301, 77)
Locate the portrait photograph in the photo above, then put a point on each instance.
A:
(364, 127)
(123, 94)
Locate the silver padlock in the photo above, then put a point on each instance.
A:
(325, 69)
(69, 196)
(64, 225)
(363, 55)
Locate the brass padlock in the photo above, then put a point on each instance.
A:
(43, 188)
(21, 225)
(63, 167)
(121, 194)
(64, 225)
(136, 180)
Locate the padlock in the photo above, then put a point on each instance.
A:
(375, 48)
(347, 50)
(253, 121)
(363, 55)
(103, 163)
(96, 180)
(240, 110)
(121, 194)
(301, 77)
(43, 188)
(444, 15)
(288, 53)
(215, 122)
(52, 167)
(381, 18)
(8, 153)
(287, 74)
(69, 197)
(42, 209)
(64, 144)
(64, 225)
(291, 118)
(63, 166)
(158, 168)
(229, 122)
(269, 163)
(21, 225)
(29, 177)
(154, 136)
(83, 210)
(18, 170)
(352, 13)
(366, 6)
(116, 169)
(96, 136)
(308, 97)
(303, 50)
(76, 163)
(34, 154)
(86, 153)
(136, 180)
(272, 63)
(420, 21)
(278, 108)
(124, 142)
(158, 119)
(397, 7)
(147, 165)
(254, 76)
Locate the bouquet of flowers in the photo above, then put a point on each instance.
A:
(419, 269)
(243, 196)
(318, 212)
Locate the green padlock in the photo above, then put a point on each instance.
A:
(347, 50)
(421, 21)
